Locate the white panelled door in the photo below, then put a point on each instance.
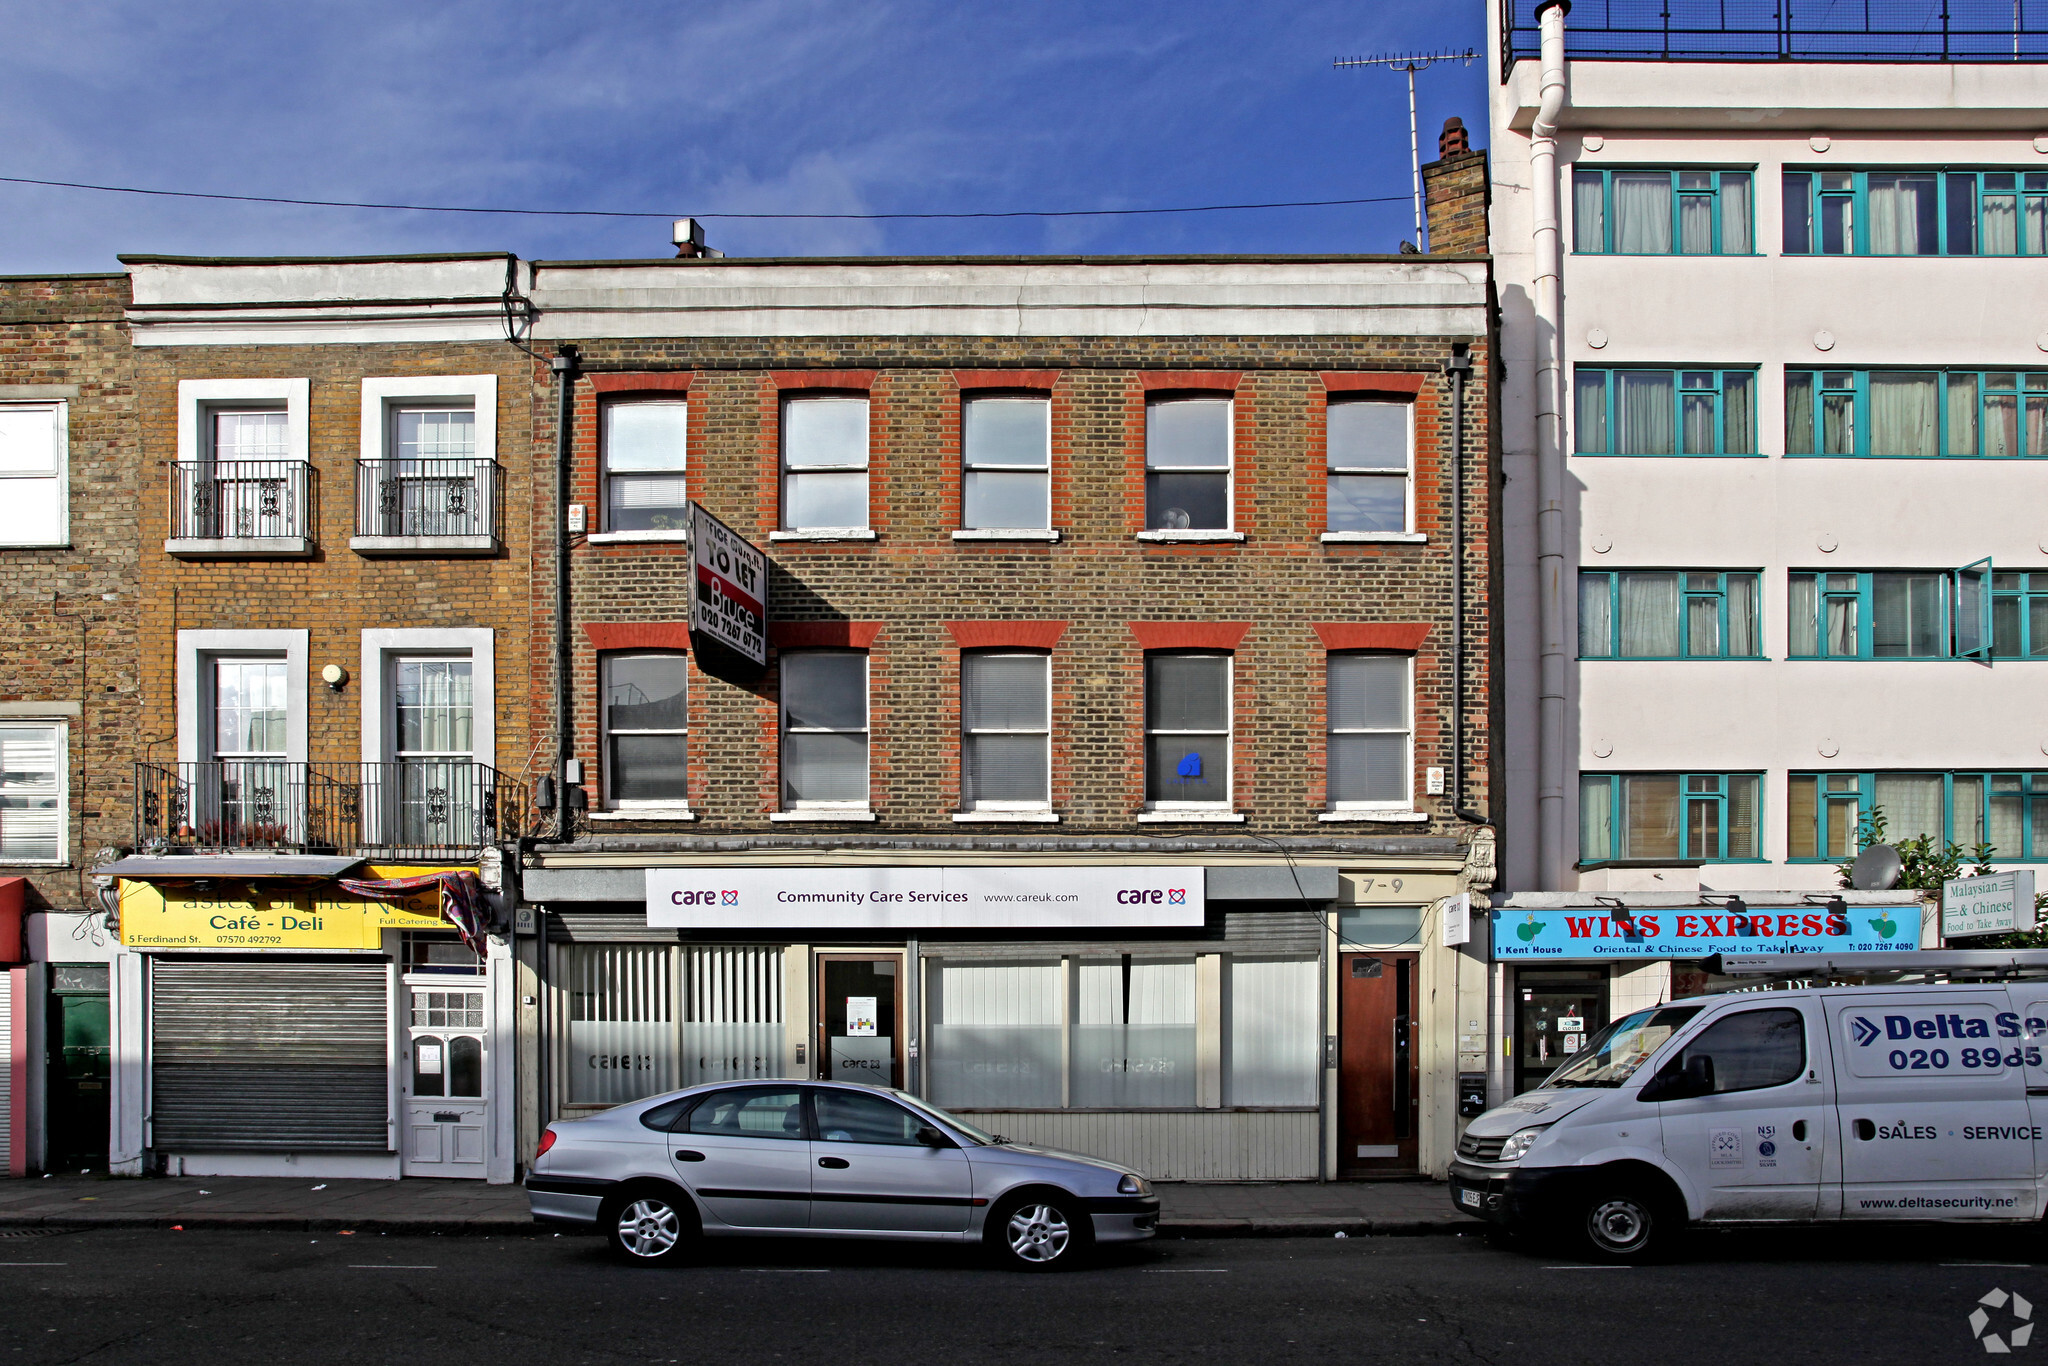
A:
(446, 1093)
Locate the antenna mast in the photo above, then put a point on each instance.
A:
(1411, 63)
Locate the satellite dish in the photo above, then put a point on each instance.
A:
(1876, 869)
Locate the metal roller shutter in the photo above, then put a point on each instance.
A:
(270, 1057)
(9, 1046)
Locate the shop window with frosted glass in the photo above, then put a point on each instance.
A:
(1272, 1032)
(1187, 730)
(1369, 740)
(1370, 453)
(646, 444)
(733, 1026)
(824, 730)
(1134, 1033)
(825, 462)
(1006, 463)
(997, 1034)
(646, 730)
(1390, 925)
(1187, 464)
(1668, 817)
(32, 793)
(1669, 614)
(621, 1042)
(1005, 715)
(1662, 212)
(1663, 412)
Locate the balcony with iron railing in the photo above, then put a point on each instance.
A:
(427, 507)
(409, 809)
(1915, 31)
(240, 508)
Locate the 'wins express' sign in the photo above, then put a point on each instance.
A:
(1701, 932)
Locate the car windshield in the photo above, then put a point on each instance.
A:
(978, 1135)
(1612, 1056)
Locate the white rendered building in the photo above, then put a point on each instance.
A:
(1775, 432)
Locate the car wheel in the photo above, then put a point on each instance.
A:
(1624, 1224)
(649, 1227)
(1041, 1233)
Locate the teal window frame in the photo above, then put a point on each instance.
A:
(1699, 585)
(1964, 601)
(1683, 184)
(1704, 833)
(2019, 615)
(1837, 420)
(1842, 801)
(1964, 195)
(1687, 383)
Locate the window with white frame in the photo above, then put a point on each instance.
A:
(1187, 730)
(1006, 462)
(825, 462)
(646, 729)
(1187, 464)
(428, 469)
(824, 730)
(434, 750)
(1370, 737)
(1006, 724)
(32, 771)
(1370, 453)
(33, 492)
(646, 442)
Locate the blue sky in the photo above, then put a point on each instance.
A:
(765, 106)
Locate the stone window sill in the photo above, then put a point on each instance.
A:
(1179, 537)
(644, 813)
(1008, 534)
(1190, 818)
(1006, 817)
(423, 545)
(814, 815)
(1366, 815)
(638, 538)
(843, 533)
(240, 547)
(1375, 538)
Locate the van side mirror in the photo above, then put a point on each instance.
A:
(932, 1138)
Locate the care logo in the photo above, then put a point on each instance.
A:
(2018, 1328)
(730, 897)
(1177, 896)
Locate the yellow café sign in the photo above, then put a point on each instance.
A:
(260, 914)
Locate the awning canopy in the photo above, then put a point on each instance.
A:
(183, 867)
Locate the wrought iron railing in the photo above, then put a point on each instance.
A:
(411, 807)
(418, 498)
(1786, 31)
(219, 500)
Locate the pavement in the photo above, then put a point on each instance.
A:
(425, 1205)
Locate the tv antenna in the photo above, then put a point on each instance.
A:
(1412, 62)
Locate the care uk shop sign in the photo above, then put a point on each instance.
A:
(1701, 932)
(954, 898)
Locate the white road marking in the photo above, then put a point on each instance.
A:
(2019, 1266)
(1186, 1270)
(388, 1266)
(1589, 1268)
(35, 1264)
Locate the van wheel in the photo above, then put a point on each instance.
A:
(1624, 1224)
(649, 1226)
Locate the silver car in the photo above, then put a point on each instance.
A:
(825, 1160)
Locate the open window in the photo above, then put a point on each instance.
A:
(1973, 611)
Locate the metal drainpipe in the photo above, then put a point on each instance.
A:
(1550, 473)
(564, 367)
(1460, 368)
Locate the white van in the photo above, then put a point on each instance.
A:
(1909, 1102)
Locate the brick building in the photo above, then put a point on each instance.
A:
(334, 562)
(69, 476)
(1068, 559)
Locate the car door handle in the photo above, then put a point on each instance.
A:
(686, 1155)
(1799, 1131)
(835, 1163)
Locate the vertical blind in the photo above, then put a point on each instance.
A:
(733, 1020)
(646, 1018)
(1134, 1032)
(31, 806)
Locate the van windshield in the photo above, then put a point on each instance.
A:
(1612, 1056)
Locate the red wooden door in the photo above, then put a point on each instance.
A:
(1378, 1100)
